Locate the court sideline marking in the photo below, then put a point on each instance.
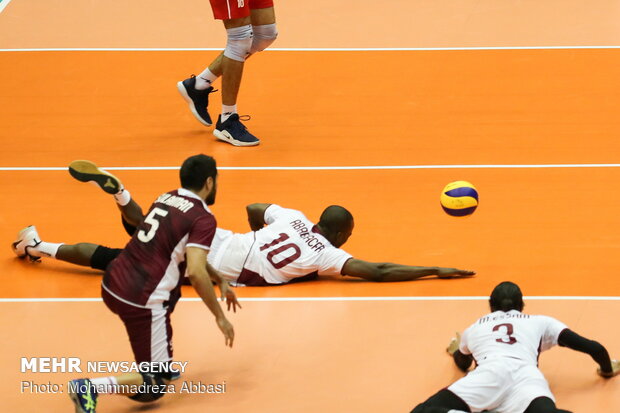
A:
(301, 49)
(320, 168)
(336, 299)
(3, 4)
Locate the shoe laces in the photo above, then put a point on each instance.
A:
(32, 257)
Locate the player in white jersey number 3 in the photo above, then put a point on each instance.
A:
(505, 345)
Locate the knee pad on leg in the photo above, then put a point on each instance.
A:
(239, 43)
(152, 389)
(264, 35)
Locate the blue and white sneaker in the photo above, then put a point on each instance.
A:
(234, 132)
(83, 395)
(198, 100)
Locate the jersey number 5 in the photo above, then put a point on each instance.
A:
(288, 258)
(151, 219)
(507, 338)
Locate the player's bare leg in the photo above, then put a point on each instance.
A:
(229, 127)
(229, 65)
(78, 254)
(265, 33)
(30, 245)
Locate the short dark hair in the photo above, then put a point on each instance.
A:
(505, 297)
(335, 219)
(195, 171)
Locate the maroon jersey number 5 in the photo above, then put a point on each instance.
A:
(151, 219)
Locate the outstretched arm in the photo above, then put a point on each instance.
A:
(200, 279)
(572, 340)
(256, 215)
(388, 272)
(462, 361)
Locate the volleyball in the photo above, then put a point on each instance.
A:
(459, 199)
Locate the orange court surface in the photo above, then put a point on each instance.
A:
(371, 106)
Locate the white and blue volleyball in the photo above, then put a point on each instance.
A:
(459, 199)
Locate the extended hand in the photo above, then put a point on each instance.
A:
(227, 329)
(229, 295)
(454, 344)
(454, 273)
(615, 370)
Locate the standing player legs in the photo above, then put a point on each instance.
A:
(150, 335)
(265, 33)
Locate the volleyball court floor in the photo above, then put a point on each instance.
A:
(378, 131)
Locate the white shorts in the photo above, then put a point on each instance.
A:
(504, 385)
(229, 252)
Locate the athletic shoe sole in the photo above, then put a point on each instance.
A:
(225, 136)
(190, 102)
(86, 171)
(76, 403)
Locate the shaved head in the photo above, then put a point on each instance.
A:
(336, 224)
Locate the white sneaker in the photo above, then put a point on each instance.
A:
(26, 238)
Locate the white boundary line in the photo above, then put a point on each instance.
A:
(304, 49)
(320, 168)
(3, 4)
(335, 299)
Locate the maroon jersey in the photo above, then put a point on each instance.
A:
(150, 269)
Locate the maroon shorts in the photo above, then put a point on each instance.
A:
(149, 330)
(237, 9)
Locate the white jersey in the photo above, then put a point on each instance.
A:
(288, 248)
(510, 334)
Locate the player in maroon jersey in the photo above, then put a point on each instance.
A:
(143, 285)
(256, 258)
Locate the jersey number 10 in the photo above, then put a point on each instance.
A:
(275, 256)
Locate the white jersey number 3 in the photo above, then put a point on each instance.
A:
(151, 219)
(507, 331)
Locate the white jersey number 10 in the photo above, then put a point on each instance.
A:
(277, 256)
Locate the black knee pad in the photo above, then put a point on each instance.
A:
(103, 256)
(442, 401)
(153, 388)
(543, 405)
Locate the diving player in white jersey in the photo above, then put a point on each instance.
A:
(505, 345)
(284, 246)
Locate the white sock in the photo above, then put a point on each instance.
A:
(105, 385)
(205, 79)
(122, 197)
(44, 249)
(227, 111)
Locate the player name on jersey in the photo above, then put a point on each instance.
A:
(502, 317)
(176, 202)
(304, 233)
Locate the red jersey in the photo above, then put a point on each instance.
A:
(149, 271)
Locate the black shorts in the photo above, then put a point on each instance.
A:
(103, 256)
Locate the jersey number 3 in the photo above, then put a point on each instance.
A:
(151, 219)
(278, 253)
(507, 338)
